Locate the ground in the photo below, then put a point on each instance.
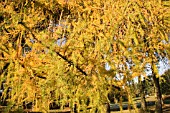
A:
(166, 109)
(151, 107)
(115, 107)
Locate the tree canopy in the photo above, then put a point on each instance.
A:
(56, 50)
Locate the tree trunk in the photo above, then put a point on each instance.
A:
(158, 94)
(142, 94)
(107, 108)
(75, 108)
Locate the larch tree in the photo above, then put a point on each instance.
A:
(146, 31)
(55, 51)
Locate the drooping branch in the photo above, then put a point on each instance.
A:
(60, 55)
(63, 57)
(71, 63)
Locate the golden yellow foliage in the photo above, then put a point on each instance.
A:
(55, 51)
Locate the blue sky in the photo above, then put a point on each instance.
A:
(162, 67)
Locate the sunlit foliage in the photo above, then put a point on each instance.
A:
(56, 51)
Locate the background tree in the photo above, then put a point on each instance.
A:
(165, 83)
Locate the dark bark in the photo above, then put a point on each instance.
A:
(75, 109)
(158, 94)
(143, 99)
